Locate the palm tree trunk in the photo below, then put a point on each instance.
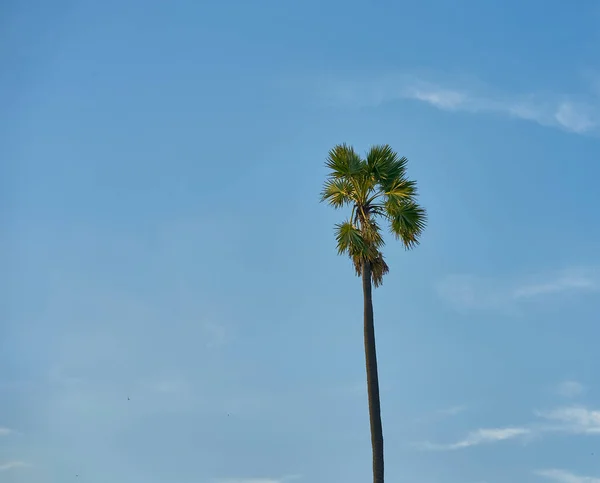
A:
(372, 377)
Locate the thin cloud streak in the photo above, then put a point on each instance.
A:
(478, 437)
(574, 419)
(11, 465)
(470, 292)
(562, 476)
(569, 419)
(570, 389)
(570, 113)
(5, 431)
(575, 280)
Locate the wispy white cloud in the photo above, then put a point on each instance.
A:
(574, 279)
(468, 292)
(570, 389)
(575, 113)
(562, 476)
(9, 465)
(579, 118)
(478, 437)
(5, 431)
(439, 97)
(575, 419)
(570, 419)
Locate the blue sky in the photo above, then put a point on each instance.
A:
(173, 308)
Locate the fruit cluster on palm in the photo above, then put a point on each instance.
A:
(377, 189)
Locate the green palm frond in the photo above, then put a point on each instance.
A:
(401, 189)
(343, 162)
(338, 192)
(374, 187)
(407, 221)
(350, 240)
(385, 165)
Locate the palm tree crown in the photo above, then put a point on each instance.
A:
(376, 188)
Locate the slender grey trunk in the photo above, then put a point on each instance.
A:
(372, 377)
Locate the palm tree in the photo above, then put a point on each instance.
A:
(376, 188)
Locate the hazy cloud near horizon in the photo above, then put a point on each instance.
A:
(577, 113)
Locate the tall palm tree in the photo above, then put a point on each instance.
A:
(376, 187)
